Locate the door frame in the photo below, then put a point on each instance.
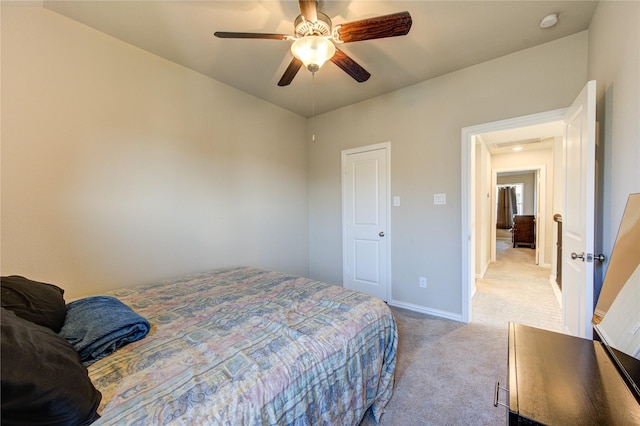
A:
(386, 146)
(468, 138)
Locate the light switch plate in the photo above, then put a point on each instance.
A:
(396, 201)
(439, 199)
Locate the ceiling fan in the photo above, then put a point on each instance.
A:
(315, 39)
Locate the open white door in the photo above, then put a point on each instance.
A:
(578, 225)
(365, 216)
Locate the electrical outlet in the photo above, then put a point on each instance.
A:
(423, 282)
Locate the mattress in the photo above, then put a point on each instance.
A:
(245, 346)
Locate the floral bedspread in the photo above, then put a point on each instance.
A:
(245, 346)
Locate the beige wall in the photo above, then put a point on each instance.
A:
(423, 123)
(614, 62)
(119, 167)
(528, 188)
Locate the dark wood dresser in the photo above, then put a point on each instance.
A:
(556, 379)
(524, 231)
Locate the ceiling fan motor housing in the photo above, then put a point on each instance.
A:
(322, 27)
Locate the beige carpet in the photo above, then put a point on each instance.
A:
(447, 370)
(516, 289)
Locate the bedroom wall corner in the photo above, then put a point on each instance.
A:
(121, 168)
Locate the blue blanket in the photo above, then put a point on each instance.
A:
(97, 326)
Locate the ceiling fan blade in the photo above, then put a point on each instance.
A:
(224, 34)
(396, 24)
(290, 72)
(350, 66)
(308, 10)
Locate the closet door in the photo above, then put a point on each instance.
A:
(365, 213)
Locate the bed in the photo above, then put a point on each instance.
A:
(244, 346)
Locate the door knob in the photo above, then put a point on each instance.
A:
(381, 233)
(575, 256)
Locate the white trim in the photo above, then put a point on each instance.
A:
(468, 135)
(378, 146)
(421, 309)
(366, 148)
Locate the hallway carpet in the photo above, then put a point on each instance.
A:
(515, 289)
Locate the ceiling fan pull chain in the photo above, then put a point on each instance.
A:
(313, 105)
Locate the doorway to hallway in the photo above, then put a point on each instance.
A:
(518, 268)
(479, 170)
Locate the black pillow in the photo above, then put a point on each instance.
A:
(37, 302)
(43, 381)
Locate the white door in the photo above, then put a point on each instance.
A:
(365, 218)
(579, 209)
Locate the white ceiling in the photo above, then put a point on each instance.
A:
(445, 36)
(529, 138)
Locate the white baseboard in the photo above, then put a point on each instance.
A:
(484, 270)
(428, 311)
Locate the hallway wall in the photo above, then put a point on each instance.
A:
(527, 179)
(529, 160)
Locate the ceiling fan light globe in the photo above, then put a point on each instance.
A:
(313, 51)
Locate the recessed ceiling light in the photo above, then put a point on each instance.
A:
(549, 21)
